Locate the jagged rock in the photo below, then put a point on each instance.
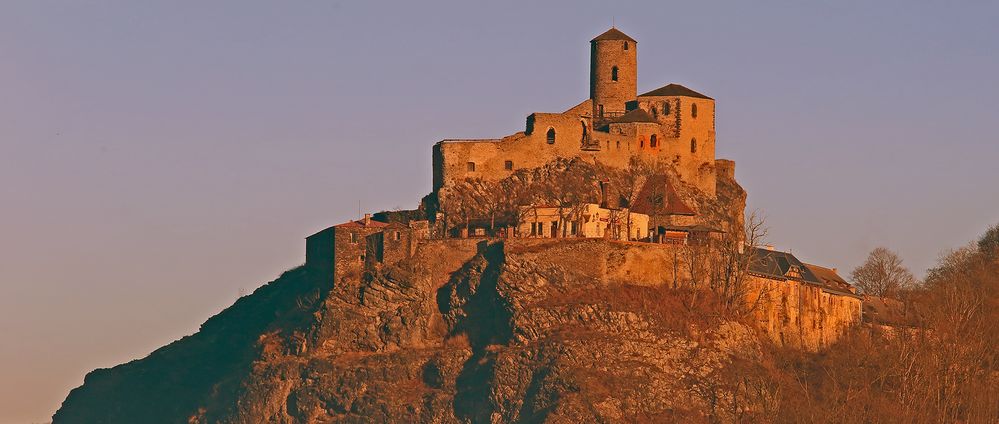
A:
(500, 332)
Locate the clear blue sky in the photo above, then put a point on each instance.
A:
(159, 158)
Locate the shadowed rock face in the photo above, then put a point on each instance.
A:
(522, 332)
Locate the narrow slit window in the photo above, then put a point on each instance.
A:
(693, 110)
(693, 145)
(614, 73)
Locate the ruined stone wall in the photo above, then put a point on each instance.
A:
(349, 253)
(397, 244)
(529, 149)
(674, 134)
(319, 251)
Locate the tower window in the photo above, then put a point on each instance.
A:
(551, 136)
(655, 112)
(614, 73)
(508, 165)
(693, 145)
(641, 142)
(618, 145)
(652, 141)
(626, 45)
(693, 110)
(600, 111)
(665, 108)
(470, 166)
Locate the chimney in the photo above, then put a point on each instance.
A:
(367, 219)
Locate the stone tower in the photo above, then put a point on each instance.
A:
(613, 73)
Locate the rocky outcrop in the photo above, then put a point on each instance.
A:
(465, 331)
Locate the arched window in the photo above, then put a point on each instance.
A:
(655, 112)
(508, 165)
(551, 136)
(626, 45)
(693, 110)
(693, 145)
(665, 108)
(641, 142)
(614, 73)
(470, 167)
(652, 141)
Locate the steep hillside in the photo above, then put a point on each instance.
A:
(567, 331)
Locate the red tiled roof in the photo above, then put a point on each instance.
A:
(360, 224)
(647, 197)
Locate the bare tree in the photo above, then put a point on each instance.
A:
(736, 253)
(488, 200)
(629, 183)
(459, 205)
(882, 274)
(518, 192)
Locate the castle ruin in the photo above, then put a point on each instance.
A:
(672, 124)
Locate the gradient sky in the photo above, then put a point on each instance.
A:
(157, 159)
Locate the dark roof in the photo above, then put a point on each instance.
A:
(650, 199)
(830, 279)
(778, 265)
(675, 90)
(613, 34)
(637, 115)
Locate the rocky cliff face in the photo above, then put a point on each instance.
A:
(521, 331)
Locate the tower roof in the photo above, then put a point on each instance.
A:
(613, 34)
(675, 90)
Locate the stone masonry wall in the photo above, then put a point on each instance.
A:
(801, 315)
(530, 149)
(604, 90)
